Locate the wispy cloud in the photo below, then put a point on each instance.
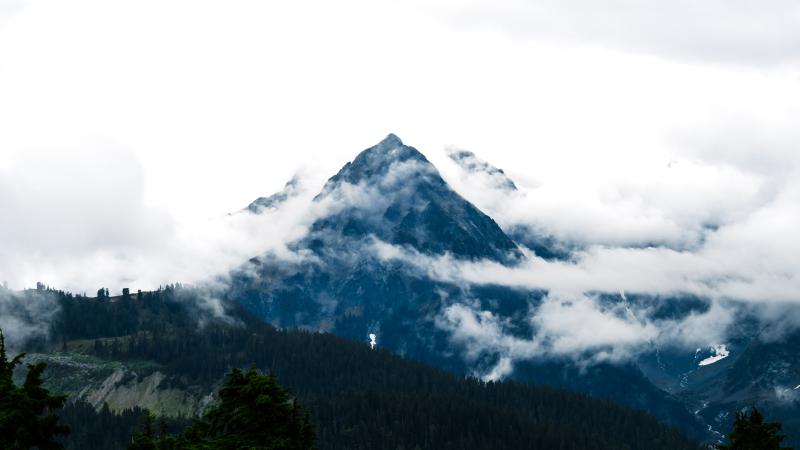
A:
(572, 322)
(25, 316)
(740, 32)
(77, 219)
(579, 329)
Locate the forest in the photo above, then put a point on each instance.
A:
(357, 397)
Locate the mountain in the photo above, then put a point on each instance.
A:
(346, 279)
(756, 366)
(171, 357)
(391, 194)
(275, 200)
(470, 163)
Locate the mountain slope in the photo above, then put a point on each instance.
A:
(470, 163)
(360, 398)
(275, 200)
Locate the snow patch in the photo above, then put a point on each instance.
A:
(720, 352)
(373, 340)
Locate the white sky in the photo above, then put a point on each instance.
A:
(168, 112)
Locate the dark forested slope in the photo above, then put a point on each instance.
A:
(359, 398)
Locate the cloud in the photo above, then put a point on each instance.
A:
(713, 217)
(718, 270)
(205, 305)
(671, 204)
(571, 327)
(473, 166)
(76, 218)
(699, 328)
(667, 175)
(481, 333)
(706, 223)
(758, 139)
(10, 7)
(786, 395)
(25, 316)
(581, 329)
(573, 322)
(740, 32)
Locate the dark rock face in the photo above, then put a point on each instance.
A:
(404, 201)
(375, 162)
(275, 200)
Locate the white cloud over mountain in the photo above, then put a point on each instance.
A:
(658, 138)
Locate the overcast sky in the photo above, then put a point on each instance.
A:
(124, 124)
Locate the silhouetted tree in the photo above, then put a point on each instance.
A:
(145, 440)
(750, 432)
(27, 412)
(254, 413)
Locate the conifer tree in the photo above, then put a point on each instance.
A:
(254, 413)
(750, 432)
(144, 440)
(27, 412)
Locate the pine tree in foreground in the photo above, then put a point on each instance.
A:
(27, 412)
(750, 432)
(254, 413)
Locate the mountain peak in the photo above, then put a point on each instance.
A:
(473, 165)
(391, 140)
(403, 200)
(275, 200)
(376, 161)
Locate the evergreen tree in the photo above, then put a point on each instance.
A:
(144, 440)
(27, 412)
(750, 432)
(254, 413)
